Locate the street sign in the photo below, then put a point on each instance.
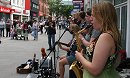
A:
(76, 6)
(77, 1)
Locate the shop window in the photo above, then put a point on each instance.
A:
(122, 23)
(118, 16)
(14, 1)
(17, 2)
(23, 3)
(116, 2)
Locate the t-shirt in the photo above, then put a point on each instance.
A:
(94, 34)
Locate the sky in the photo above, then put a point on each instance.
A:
(66, 0)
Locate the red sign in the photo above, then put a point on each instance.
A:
(5, 9)
(27, 4)
(34, 14)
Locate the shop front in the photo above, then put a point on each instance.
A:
(5, 12)
(26, 15)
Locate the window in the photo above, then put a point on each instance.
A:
(17, 2)
(14, 1)
(118, 16)
(37, 7)
(116, 2)
(23, 3)
(122, 23)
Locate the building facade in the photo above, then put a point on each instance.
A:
(34, 11)
(46, 8)
(20, 13)
(41, 10)
(123, 12)
(5, 9)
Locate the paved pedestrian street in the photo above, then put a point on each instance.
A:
(13, 53)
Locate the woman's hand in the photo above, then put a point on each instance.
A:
(60, 46)
(78, 55)
(81, 36)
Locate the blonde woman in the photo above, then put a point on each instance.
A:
(102, 55)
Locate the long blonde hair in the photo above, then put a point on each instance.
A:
(105, 13)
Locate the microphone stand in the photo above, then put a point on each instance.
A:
(53, 50)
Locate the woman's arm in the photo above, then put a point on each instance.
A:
(84, 41)
(64, 47)
(103, 48)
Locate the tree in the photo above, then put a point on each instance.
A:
(55, 6)
(66, 10)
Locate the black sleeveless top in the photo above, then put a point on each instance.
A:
(90, 51)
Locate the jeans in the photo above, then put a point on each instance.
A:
(51, 40)
(2, 32)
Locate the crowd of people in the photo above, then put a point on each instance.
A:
(14, 28)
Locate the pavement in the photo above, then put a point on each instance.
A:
(13, 53)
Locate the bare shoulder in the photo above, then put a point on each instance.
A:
(105, 36)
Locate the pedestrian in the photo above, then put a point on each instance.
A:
(51, 31)
(8, 27)
(2, 27)
(35, 30)
(101, 55)
(41, 26)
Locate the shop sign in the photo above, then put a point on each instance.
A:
(5, 9)
(34, 14)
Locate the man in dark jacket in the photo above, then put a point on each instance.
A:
(51, 31)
